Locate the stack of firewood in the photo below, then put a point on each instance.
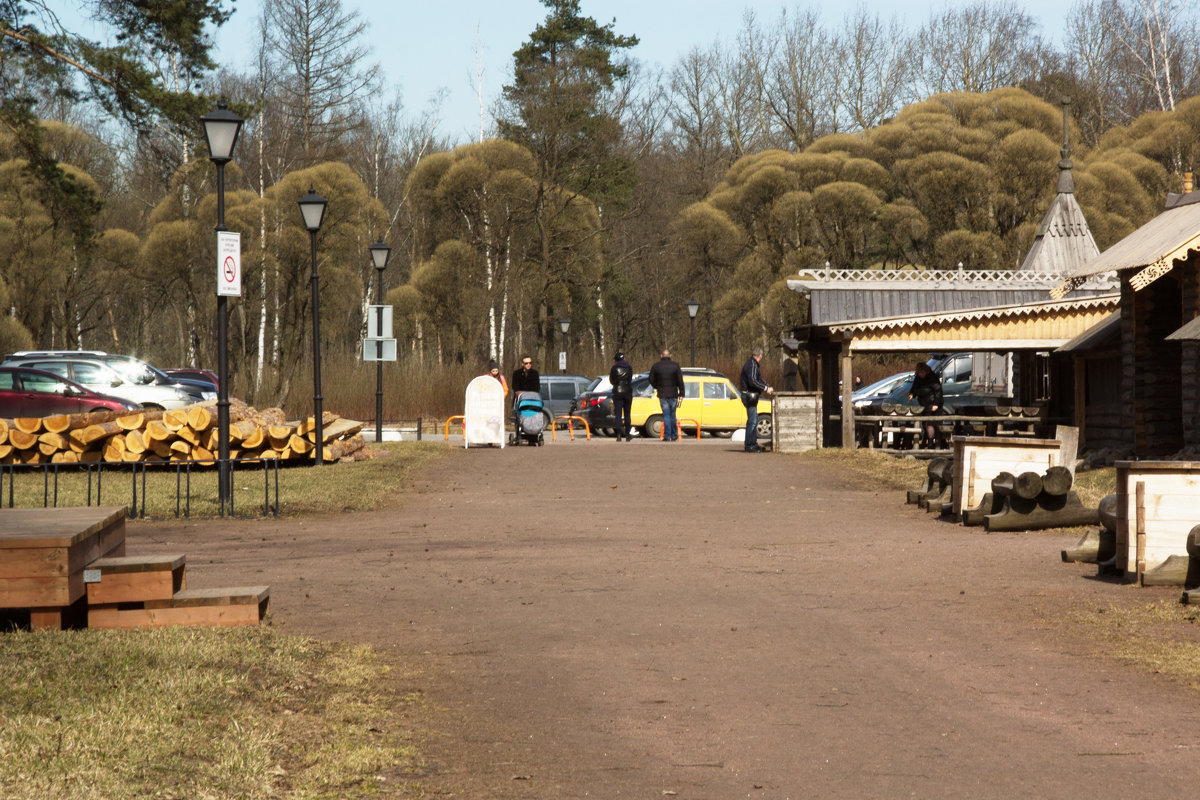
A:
(185, 434)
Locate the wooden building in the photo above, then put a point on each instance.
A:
(926, 311)
(1157, 338)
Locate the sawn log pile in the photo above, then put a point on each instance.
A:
(185, 434)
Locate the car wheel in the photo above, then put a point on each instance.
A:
(722, 434)
(764, 426)
(653, 427)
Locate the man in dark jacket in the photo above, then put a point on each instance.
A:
(621, 378)
(667, 378)
(752, 386)
(526, 378)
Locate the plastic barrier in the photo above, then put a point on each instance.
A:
(463, 422)
(679, 427)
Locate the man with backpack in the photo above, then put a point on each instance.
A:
(621, 378)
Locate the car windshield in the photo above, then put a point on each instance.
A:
(138, 371)
(881, 386)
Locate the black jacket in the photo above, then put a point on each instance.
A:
(751, 378)
(667, 378)
(526, 380)
(928, 389)
(621, 378)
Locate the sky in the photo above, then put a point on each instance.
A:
(429, 47)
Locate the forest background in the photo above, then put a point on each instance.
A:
(602, 193)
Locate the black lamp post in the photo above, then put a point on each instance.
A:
(312, 208)
(379, 257)
(221, 128)
(692, 308)
(564, 325)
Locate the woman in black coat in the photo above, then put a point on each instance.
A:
(927, 389)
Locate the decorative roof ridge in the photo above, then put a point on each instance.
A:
(993, 312)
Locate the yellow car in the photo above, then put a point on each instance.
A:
(709, 399)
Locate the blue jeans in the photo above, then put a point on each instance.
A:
(752, 426)
(670, 428)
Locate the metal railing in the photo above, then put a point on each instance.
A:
(54, 476)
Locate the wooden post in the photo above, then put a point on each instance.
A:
(1080, 398)
(847, 373)
(1140, 531)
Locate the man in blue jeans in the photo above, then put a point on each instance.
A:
(667, 378)
(752, 386)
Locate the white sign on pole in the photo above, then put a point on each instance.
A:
(562, 361)
(371, 350)
(229, 264)
(376, 329)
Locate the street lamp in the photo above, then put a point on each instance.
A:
(564, 325)
(379, 257)
(221, 128)
(312, 208)
(692, 308)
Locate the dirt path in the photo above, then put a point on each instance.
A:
(686, 620)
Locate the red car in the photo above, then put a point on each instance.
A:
(26, 392)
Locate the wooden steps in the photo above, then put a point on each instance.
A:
(243, 605)
(68, 567)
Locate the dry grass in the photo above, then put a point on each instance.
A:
(303, 490)
(198, 713)
(1161, 637)
(873, 469)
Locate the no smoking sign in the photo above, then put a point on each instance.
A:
(229, 264)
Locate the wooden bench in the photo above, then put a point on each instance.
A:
(243, 605)
(1158, 504)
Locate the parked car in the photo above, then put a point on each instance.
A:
(133, 369)
(875, 392)
(559, 392)
(596, 406)
(194, 374)
(37, 393)
(955, 371)
(709, 398)
(100, 377)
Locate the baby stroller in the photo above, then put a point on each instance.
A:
(529, 419)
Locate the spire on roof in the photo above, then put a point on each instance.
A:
(1066, 181)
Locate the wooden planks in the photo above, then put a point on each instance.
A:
(129, 579)
(245, 605)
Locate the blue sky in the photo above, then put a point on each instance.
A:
(425, 47)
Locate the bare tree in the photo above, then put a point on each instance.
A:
(976, 48)
(872, 69)
(800, 87)
(323, 70)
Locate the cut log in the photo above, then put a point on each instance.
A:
(58, 423)
(50, 443)
(202, 454)
(174, 419)
(298, 444)
(201, 417)
(91, 457)
(1057, 480)
(1028, 485)
(1004, 484)
(6, 450)
(94, 433)
(340, 428)
(1108, 512)
(160, 448)
(1002, 409)
(180, 448)
(188, 435)
(22, 440)
(4, 426)
(238, 431)
(344, 447)
(309, 424)
(28, 424)
(253, 440)
(157, 431)
(1172, 572)
(135, 442)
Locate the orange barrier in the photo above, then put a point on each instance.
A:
(679, 427)
(568, 418)
(451, 419)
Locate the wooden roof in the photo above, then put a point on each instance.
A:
(1039, 326)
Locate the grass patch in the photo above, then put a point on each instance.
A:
(1161, 637)
(871, 469)
(199, 713)
(303, 490)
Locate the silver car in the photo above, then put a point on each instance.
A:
(99, 377)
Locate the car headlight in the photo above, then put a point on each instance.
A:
(208, 395)
(180, 394)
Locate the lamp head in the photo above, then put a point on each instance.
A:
(221, 128)
(312, 207)
(692, 308)
(379, 254)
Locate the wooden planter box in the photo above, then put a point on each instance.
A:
(978, 459)
(796, 422)
(1158, 504)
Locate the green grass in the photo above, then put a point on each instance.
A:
(303, 490)
(199, 713)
